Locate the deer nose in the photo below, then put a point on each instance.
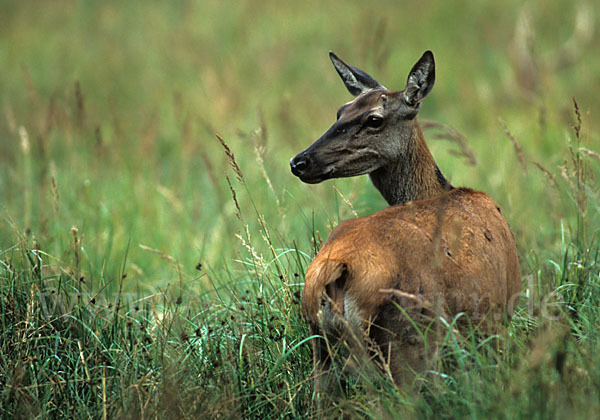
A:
(299, 164)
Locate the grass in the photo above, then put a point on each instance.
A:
(152, 269)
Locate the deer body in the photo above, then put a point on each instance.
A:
(437, 252)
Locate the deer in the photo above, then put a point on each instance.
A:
(381, 283)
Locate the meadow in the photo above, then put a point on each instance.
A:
(153, 240)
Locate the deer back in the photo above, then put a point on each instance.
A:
(456, 249)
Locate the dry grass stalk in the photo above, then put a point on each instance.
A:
(346, 201)
(257, 260)
(83, 362)
(564, 173)
(171, 197)
(590, 153)
(9, 114)
(210, 169)
(29, 84)
(27, 177)
(50, 116)
(266, 235)
(518, 149)
(548, 174)
(163, 256)
(99, 140)
(422, 302)
(579, 170)
(259, 151)
(264, 134)
(150, 132)
(231, 159)
(76, 242)
(104, 399)
(577, 126)
(317, 242)
(419, 299)
(55, 196)
(25, 144)
(238, 211)
(452, 134)
(211, 172)
(79, 105)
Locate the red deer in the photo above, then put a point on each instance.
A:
(438, 251)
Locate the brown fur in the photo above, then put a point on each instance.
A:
(438, 252)
(446, 255)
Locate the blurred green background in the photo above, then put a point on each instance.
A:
(119, 103)
(143, 275)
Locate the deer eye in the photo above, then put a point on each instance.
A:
(374, 121)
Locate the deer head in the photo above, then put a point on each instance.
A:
(376, 132)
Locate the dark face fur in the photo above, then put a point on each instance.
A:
(372, 131)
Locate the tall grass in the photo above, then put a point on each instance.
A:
(153, 242)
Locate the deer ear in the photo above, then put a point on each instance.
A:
(420, 80)
(356, 80)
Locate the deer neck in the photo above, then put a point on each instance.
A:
(414, 176)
